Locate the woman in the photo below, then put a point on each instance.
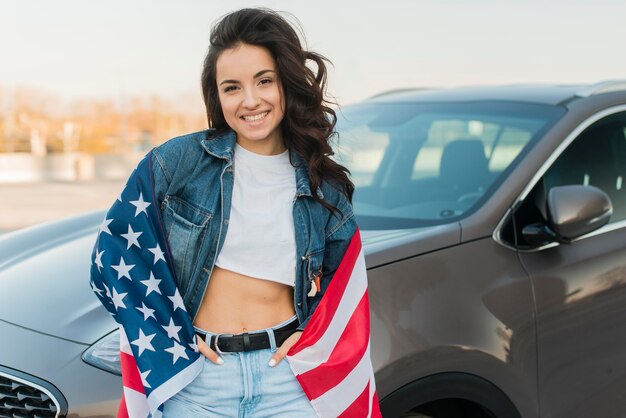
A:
(257, 220)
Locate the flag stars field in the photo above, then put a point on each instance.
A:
(152, 284)
(98, 259)
(140, 205)
(147, 312)
(172, 330)
(123, 269)
(177, 300)
(143, 342)
(132, 237)
(177, 352)
(104, 227)
(158, 253)
(118, 299)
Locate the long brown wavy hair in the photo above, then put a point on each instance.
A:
(309, 121)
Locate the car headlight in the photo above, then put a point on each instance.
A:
(105, 353)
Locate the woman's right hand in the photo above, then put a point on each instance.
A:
(204, 348)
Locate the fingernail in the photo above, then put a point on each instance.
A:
(220, 361)
(272, 363)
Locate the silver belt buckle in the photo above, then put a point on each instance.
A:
(217, 346)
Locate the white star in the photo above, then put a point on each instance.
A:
(152, 284)
(158, 254)
(104, 226)
(143, 342)
(123, 269)
(118, 299)
(140, 205)
(177, 351)
(95, 288)
(177, 301)
(98, 260)
(132, 236)
(144, 378)
(107, 291)
(172, 329)
(194, 345)
(147, 312)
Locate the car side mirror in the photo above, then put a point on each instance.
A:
(572, 211)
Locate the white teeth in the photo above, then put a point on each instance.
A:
(255, 117)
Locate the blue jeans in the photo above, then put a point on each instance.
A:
(244, 386)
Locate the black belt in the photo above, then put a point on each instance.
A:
(248, 342)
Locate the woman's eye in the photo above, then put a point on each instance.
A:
(266, 81)
(229, 89)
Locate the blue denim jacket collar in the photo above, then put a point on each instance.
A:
(222, 143)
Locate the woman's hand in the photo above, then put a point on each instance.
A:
(284, 349)
(204, 348)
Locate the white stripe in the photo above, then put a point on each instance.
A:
(174, 384)
(124, 344)
(372, 392)
(339, 398)
(136, 404)
(318, 353)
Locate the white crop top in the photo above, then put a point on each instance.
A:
(260, 241)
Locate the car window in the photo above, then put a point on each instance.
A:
(430, 163)
(596, 157)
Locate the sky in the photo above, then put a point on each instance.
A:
(107, 48)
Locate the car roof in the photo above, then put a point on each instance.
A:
(530, 93)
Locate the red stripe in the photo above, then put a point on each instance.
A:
(360, 406)
(345, 356)
(325, 311)
(122, 412)
(130, 374)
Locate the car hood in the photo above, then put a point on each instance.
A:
(44, 279)
(44, 273)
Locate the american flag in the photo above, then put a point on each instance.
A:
(331, 360)
(132, 275)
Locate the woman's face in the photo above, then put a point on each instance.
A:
(251, 97)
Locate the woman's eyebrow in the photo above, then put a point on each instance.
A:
(257, 75)
(260, 73)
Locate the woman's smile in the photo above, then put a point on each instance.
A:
(255, 118)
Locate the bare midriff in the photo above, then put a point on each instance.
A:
(235, 303)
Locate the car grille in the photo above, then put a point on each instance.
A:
(20, 397)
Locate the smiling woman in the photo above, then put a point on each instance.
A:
(254, 221)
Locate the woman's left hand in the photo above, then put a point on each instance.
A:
(284, 349)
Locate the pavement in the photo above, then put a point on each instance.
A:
(26, 204)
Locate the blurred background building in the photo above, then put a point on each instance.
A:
(42, 139)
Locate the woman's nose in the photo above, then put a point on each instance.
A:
(251, 98)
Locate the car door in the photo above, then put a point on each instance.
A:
(580, 288)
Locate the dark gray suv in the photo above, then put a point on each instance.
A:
(494, 224)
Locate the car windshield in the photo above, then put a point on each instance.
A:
(419, 164)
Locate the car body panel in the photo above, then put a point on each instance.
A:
(52, 277)
(581, 309)
(468, 308)
(384, 248)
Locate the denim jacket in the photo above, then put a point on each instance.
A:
(193, 183)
